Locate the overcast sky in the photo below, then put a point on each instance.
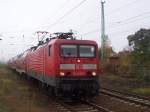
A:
(20, 19)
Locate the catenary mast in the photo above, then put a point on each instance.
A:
(102, 33)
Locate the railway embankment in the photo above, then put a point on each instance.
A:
(125, 84)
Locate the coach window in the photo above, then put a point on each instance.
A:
(49, 50)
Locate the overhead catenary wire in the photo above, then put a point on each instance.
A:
(97, 30)
(119, 8)
(124, 31)
(53, 15)
(70, 11)
(62, 6)
(66, 14)
(134, 17)
(117, 23)
(55, 23)
(90, 32)
(111, 23)
(114, 33)
(129, 20)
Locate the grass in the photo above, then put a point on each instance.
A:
(143, 91)
(133, 85)
(19, 95)
(113, 77)
(1, 92)
(5, 84)
(24, 88)
(4, 108)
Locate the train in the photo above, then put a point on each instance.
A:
(65, 65)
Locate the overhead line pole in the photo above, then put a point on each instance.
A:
(102, 33)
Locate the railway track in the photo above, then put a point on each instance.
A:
(92, 106)
(82, 106)
(131, 98)
(129, 94)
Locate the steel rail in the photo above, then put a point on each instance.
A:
(129, 94)
(128, 98)
(82, 106)
(100, 108)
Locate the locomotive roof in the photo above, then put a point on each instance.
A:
(59, 41)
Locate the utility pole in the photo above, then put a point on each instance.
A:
(102, 33)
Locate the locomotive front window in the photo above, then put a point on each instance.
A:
(87, 51)
(69, 50)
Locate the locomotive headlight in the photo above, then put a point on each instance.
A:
(62, 74)
(94, 73)
(67, 66)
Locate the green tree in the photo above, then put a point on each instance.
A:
(140, 43)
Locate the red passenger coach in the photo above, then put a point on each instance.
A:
(65, 65)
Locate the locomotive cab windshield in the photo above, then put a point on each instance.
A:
(82, 51)
(68, 50)
(87, 51)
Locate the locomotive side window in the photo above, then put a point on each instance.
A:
(68, 50)
(49, 50)
(87, 51)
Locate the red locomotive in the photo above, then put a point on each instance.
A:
(65, 65)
